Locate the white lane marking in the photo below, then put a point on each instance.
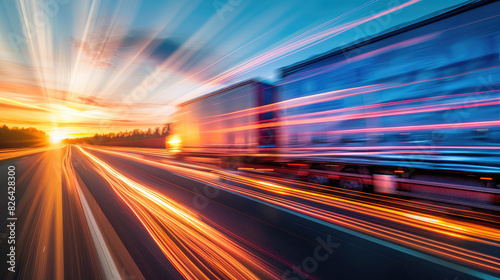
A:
(107, 264)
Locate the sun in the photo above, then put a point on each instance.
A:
(57, 137)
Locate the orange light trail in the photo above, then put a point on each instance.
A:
(410, 223)
(14, 153)
(459, 230)
(197, 250)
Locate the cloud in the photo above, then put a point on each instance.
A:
(90, 101)
(159, 49)
(96, 52)
(104, 52)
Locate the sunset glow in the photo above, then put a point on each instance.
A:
(87, 69)
(57, 137)
(230, 139)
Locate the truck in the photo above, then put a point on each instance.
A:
(414, 110)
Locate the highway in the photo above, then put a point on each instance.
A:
(91, 212)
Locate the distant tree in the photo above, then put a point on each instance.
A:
(165, 129)
(126, 138)
(16, 137)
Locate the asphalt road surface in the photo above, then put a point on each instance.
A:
(90, 212)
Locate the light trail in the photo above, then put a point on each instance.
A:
(345, 93)
(349, 92)
(330, 34)
(410, 224)
(197, 250)
(105, 257)
(392, 103)
(40, 226)
(290, 48)
(366, 115)
(328, 68)
(437, 210)
(441, 227)
(14, 153)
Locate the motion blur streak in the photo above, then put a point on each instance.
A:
(312, 201)
(197, 250)
(296, 44)
(290, 48)
(14, 153)
(380, 113)
(41, 232)
(433, 226)
(381, 200)
(344, 93)
(108, 265)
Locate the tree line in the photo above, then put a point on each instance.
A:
(152, 137)
(14, 137)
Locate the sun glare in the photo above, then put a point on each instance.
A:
(57, 137)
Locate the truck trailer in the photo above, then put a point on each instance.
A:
(415, 109)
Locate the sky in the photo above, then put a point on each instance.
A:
(80, 67)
